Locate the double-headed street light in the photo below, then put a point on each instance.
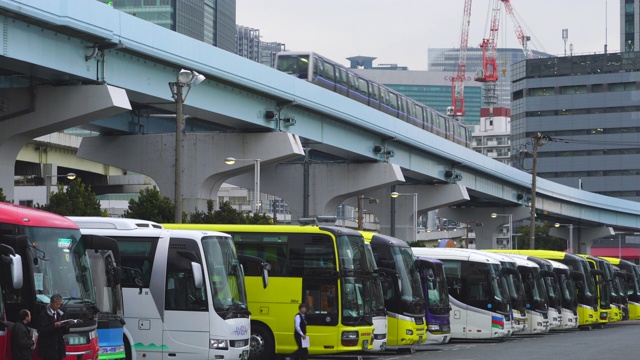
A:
(494, 215)
(415, 211)
(47, 181)
(256, 179)
(570, 240)
(185, 78)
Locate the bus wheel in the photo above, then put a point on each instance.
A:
(261, 343)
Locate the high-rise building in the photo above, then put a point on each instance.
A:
(446, 60)
(249, 45)
(210, 21)
(587, 108)
(629, 25)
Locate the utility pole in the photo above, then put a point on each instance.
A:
(537, 140)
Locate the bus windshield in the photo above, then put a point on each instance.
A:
(376, 296)
(534, 288)
(590, 291)
(356, 274)
(411, 293)
(62, 266)
(225, 274)
(634, 283)
(438, 295)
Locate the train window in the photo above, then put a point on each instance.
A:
(363, 87)
(294, 65)
(384, 96)
(342, 77)
(374, 90)
(353, 82)
(403, 104)
(393, 101)
(326, 70)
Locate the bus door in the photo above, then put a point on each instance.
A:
(185, 334)
(14, 261)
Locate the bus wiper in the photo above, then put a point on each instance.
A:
(236, 307)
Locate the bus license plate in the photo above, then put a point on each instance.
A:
(365, 344)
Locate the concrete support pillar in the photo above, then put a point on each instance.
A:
(204, 166)
(44, 110)
(583, 237)
(329, 184)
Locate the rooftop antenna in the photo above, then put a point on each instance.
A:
(565, 37)
(606, 27)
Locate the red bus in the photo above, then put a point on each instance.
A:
(54, 260)
(9, 257)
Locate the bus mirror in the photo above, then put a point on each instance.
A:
(16, 271)
(597, 272)
(510, 271)
(265, 275)
(547, 274)
(197, 274)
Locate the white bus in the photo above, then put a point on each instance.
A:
(480, 308)
(568, 294)
(516, 290)
(537, 300)
(183, 291)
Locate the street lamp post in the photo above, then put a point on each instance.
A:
(570, 240)
(69, 176)
(494, 215)
(467, 222)
(415, 211)
(371, 201)
(185, 78)
(256, 180)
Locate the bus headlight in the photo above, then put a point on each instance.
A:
(409, 332)
(350, 338)
(433, 327)
(218, 344)
(76, 339)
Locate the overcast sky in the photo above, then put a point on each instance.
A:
(401, 31)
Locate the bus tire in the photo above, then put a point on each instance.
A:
(262, 344)
(127, 349)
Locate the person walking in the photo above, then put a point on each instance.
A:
(51, 330)
(21, 343)
(300, 333)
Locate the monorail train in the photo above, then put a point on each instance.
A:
(335, 77)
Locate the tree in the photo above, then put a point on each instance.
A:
(226, 214)
(3, 197)
(543, 239)
(151, 206)
(76, 200)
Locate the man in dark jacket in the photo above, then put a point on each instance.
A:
(51, 330)
(21, 343)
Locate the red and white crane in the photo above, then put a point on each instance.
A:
(489, 73)
(457, 83)
(520, 35)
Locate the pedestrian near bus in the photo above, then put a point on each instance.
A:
(300, 332)
(21, 343)
(51, 330)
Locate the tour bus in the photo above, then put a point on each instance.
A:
(376, 297)
(322, 266)
(183, 291)
(434, 287)
(618, 302)
(54, 260)
(620, 290)
(404, 298)
(588, 303)
(536, 295)
(13, 262)
(633, 284)
(552, 288)
(603, 288)
(516, 290)
(479, 306)
(568, 294)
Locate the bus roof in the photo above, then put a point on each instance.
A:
(545, 254)
(96, 222)
(454, 254)
(428, 259)
(265, 228)
(26, 216)
(374, 237)
(134, 227)
(558, 265)
(523, 260)
(500, 257)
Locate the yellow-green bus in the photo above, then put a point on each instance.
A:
(404, 298)
(603, 278)
(324, 267)
(633, 284)
(588, 300)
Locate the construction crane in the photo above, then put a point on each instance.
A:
(457, 83)
(488, 75)
(520, 35)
